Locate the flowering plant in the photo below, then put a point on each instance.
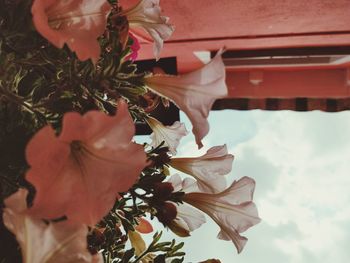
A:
(75, 187)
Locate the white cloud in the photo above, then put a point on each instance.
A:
(311, 189)
(300, 162)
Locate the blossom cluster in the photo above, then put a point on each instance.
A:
(87, 187)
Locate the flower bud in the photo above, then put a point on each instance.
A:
(163, 191)
(166, 213)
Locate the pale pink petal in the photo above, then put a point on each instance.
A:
(188, 185)
(46, 243)
(146, 15)
(240, 191)
(209, 169)
(84, 184)
(77, 23)
(189, 218)
(231, 209)
(216, 151)
(170, 135)
(176, 182)
(194, 93)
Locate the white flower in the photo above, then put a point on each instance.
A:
(170, 135)
(232, 209)
(194, 93)
(147, 15)
(187, 220)
(46, 243)
(208, 170)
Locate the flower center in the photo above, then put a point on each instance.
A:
(76, 146)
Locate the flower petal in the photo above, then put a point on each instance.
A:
(194, 93)
(231, 209)
(189, 218)
(46, 243)
(96, 166)
(188, 185)
(209, 169)
(144, 226)
(170, 135)
(147, 15)
(75, 23)
(240, 191)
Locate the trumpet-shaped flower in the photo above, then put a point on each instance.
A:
(187, 218)
(79, 173)
(170, 135)
(207, 169)
(46, 243)
(194, 93)
(77, 23)
(146, 15)
(232, 209)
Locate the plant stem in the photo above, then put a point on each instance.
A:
(141, 256)
(17, 100)
(8, 182)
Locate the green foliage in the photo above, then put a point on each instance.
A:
(163, 249)
(39, 83)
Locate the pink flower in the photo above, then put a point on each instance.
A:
(78, 23)
(135, 47)
(46, 243)
(80, 172)
(194, 93)
(232, 209)
(170, 135)
(208, 169)
(146, 15)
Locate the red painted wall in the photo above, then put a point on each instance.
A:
(255, 24)
(312, 83)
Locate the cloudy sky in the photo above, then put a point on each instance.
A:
(301, 164)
